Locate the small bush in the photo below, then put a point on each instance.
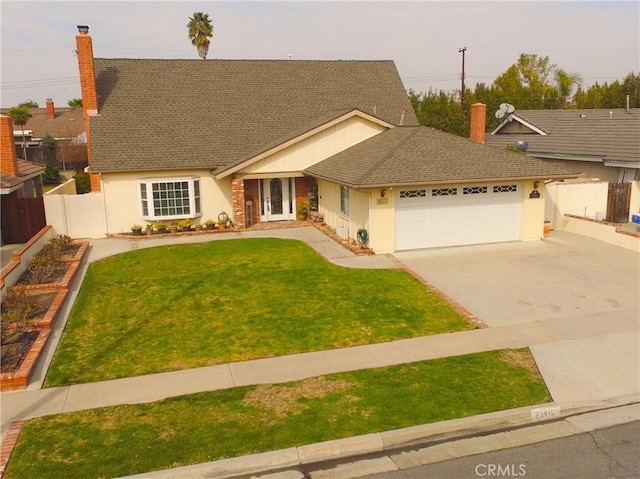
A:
(17, 307)
(83, 185)
(42, 266)
(51, 175)
(62, 242)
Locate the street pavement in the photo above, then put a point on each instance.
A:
(571, 299)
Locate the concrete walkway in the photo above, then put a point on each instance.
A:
(588, 381)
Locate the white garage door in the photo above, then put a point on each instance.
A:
(429, 217)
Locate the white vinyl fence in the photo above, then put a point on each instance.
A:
(78, 216)
(588, 200)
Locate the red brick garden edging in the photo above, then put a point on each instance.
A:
(19, 379)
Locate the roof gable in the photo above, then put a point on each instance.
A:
(168, 114)
(421, 155)
(609, 135)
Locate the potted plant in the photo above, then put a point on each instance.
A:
(149, 229)
(173, 227)
(136, 230)
(161, 227)
(223, 218)
(547, 228)
(185, 224)
(302, 211)
(210, 224)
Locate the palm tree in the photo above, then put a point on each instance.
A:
(564, 84)
(200, 30)
(20, 115)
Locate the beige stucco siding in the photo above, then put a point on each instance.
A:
(369, 210)
(532, 224)
(315, 148)
(122, 197)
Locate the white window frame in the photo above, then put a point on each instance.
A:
(344, 201)
(149, 208)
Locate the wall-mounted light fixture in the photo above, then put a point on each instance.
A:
(383, 192)
(536, 184)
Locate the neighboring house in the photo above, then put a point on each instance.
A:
(603, 143)
(20, 189)
(174, 139)
(65, 125)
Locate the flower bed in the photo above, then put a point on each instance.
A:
(31, 308)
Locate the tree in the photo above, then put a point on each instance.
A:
(29, 104)
(75, 103)
(565, 83)
(20, 115)
(526, 82)
(47, 141)
(200, 31)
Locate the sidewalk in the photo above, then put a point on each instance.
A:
(595, 386)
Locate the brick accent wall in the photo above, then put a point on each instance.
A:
(478, 122)
(252, 193)
(237, 192)
(86, 67)
(303, 188)
(8, 158)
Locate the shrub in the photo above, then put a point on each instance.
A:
(17, 307)
(42, 265)
(62, 242)
(51, 175)
(83, 185)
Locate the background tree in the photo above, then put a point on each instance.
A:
(200, 31)
(610, 96)
(29, 104)
(75, 103)
(48, 141)
(564, 84)
(20, 115)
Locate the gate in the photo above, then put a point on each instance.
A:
(618, 202)
(21, 218)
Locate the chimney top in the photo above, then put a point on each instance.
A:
(51, 111)
(83, 29)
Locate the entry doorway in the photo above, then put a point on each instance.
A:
(277, 199)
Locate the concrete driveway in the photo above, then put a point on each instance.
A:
(584, 292)
(564, 276)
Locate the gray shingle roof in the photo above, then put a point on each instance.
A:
(68, 122)
(170, 114)
(422, 155)
(612, 135)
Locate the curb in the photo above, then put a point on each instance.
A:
(356, 447)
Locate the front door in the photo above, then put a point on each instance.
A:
(276, 199)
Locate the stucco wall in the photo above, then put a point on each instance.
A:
(383, 221)
(122, 200)
(532, 225)
(580, 199)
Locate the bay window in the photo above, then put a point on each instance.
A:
(175, 198)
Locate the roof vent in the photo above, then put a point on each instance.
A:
(583, 116)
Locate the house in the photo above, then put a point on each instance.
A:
(65, 125)
(599, 143)
(175, 139)
(20, 189)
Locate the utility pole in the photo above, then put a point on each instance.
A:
(462, 50)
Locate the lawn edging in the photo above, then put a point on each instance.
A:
(352, 448)
(19, 379)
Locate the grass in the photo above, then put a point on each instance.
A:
(186, 306)
(131, 439)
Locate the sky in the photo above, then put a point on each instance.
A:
(600, 41)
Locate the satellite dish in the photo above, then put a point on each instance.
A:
(522, 145)
(505, 110)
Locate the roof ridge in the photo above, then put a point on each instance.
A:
(383, 158)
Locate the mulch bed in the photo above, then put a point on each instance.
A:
(13, 353)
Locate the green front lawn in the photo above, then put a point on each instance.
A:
(132, 439)
(185, 306)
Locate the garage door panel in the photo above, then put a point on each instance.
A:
(452, 220)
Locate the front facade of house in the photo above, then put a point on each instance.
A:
(264, 137)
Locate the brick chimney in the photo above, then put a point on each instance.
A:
(51, 111)
(478, 122)
(84, 48)
(8, 157)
